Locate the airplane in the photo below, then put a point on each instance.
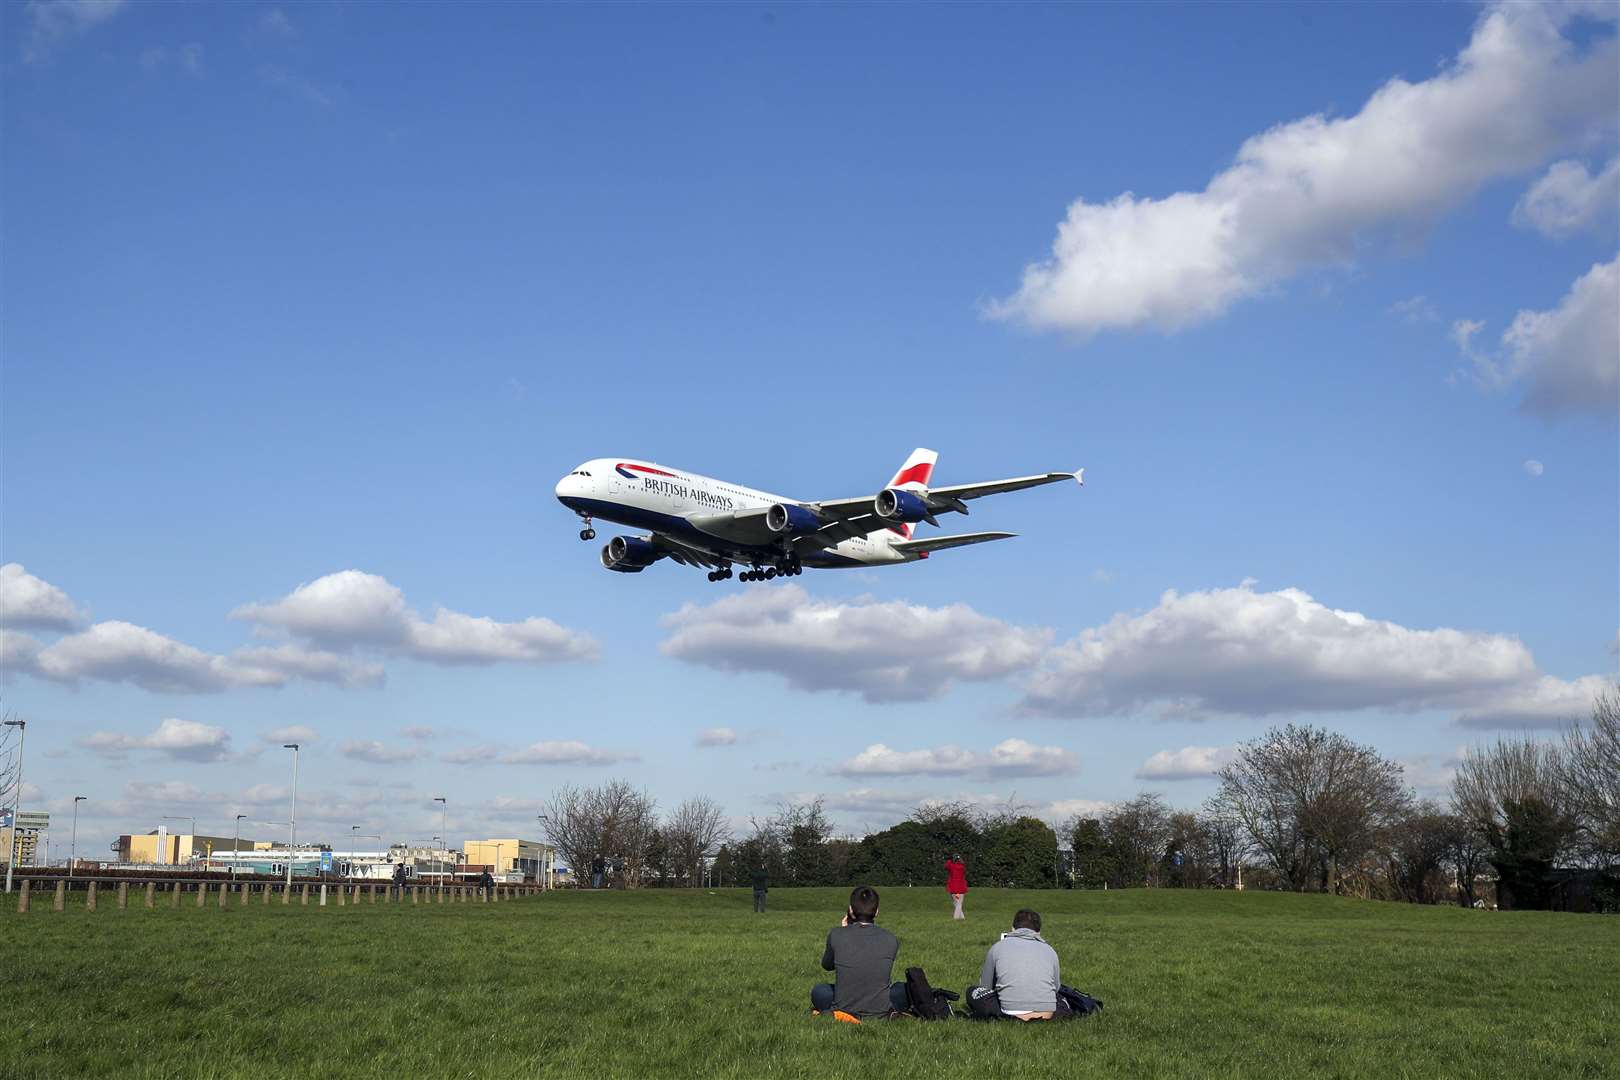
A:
(698, 521)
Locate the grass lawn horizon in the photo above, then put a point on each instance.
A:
(692, 983)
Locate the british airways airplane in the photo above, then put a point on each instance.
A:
(699, 521)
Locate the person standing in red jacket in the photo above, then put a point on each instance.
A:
(956, 884)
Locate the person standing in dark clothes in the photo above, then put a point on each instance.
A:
(762, 884)
(598, 865)
(861, 954)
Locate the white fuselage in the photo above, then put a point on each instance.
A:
(704, 513)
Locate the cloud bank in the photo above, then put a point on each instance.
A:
(1012, 757)
(885, 651)
(1318, 191)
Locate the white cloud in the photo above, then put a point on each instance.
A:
(1237, 651)
(352, 609)
(1188, 763)
(1012, 757)
(28, 602)
(54, 21)
(293, 733)
(1415, 309)
(1568, 198)
(1570, 356)
(884, 651)
(375, 752)
(1532, 467)
(1317, 191)
(717, 736)
(1544, 702)
(118, 651)
(274, 22)
(420, 732)
(567, 752)
(1064, 809)
(182, 740)
(570, 752)
(1431, 774)
(296, 85)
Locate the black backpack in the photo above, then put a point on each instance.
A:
(923, 1000)
(1079, 1003)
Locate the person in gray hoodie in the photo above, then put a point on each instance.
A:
(1022, 970)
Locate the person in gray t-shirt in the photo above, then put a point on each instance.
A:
(862, 954)
(1022, 969)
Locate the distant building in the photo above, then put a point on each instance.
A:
(163, 848)
(514, 860)
(23, 842)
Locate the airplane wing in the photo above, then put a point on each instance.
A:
(856, 517)
(940, 543)
(682, 553)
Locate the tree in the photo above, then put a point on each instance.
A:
(1138, 832)
(1228, 845)
(1421, 845)
(805, 829)
(1512, 794)
(1312, 801)
(1021, 853)
(1590, 777)
(614, 821)
(693, 830)
(1093, 861)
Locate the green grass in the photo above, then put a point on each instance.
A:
(665, 983)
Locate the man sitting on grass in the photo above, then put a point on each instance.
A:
(861, 954)
(1021, 972)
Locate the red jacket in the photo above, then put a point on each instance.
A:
(955, 877)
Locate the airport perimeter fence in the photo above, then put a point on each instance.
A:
(122, 891)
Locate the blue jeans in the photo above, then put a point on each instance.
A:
(821, 997)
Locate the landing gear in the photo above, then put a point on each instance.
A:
(721, 574)
(587, 533)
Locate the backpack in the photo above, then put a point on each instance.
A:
(1079, 1004)
(923, 1000)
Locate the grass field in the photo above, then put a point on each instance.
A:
(668, 983)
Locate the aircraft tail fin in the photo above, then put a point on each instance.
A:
(917, 471)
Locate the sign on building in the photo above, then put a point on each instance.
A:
(326, 863)
(5, 817)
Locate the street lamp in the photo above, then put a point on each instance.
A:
(540, 868)
(292, 815)
(444, 829)
(73, 844)
(439, 840)
(236, 846)
(16, 801)
(182, 817)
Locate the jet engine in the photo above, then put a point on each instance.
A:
(791, 520)
(898, 504)
(628, 554)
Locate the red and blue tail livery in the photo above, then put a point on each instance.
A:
(718, 526)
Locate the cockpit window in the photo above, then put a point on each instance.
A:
(579, 472)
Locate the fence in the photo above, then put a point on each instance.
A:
(121, 891)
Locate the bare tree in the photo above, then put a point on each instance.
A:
(696, 828)
(1228, 843)
(614, 822)
(1590, 777)
(1512, 794)
(1137, 832)
(1312, 801)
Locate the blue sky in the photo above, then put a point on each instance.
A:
(295, 291)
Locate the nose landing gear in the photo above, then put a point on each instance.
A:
(587, 533)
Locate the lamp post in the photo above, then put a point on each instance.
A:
(292, 814)
(16, 801)
(73, 843)
(352, 830)
(439, 840)
(236, 847)
(540, 871)
(444, 829)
